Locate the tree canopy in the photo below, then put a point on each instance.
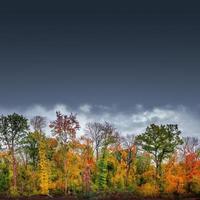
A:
(101, 160)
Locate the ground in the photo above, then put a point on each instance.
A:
(110, 197)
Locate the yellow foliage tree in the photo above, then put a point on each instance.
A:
(118, 178)
(44, 175)
(73, 171)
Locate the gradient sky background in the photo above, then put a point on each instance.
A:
(113, 57)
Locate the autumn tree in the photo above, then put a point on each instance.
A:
(109, 137)
(43, 167)
(191, 161)
(174, 176)
(143, 168)
(88, 162)
(13, 130)
(129, 145)
(31, 147)
(31, 142)
(102, 173)
(64, 128)
(160, 141)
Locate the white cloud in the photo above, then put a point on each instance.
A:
(126, 122)
(85, 108)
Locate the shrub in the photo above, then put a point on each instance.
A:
(4, 177)
(149, 190)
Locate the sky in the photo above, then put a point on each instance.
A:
(128, 62)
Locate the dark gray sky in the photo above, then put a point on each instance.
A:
(106, 53)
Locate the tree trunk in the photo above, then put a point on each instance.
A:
(65, 174)
(159, 176)
(158, 169)
(97, 154)
(14, 166)
(127, 175)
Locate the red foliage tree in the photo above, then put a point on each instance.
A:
(64, 127)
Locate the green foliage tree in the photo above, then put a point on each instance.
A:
(102, 171)
(143, 164)
(160, 141)
(31, 147)
(31, 142)
(13, 130)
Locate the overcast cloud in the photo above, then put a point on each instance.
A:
(132, 122)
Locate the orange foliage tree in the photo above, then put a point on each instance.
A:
(64, 129)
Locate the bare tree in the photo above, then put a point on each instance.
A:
(95, 132)
(129, 145)
(110, 134)
(38, 123)
(101, 134)
(190, 145)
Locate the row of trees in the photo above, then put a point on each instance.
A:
(156, 161)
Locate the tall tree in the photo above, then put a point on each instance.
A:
(64, 128)
(94, 132)
(31, 147)
(43, 164)
(13, 130)
(130, 148)
(102, 173)
(101, 134)
(160, 141)
(109, 137)
(87, 159)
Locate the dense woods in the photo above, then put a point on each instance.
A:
(32, 162)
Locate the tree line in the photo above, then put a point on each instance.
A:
(158, 161)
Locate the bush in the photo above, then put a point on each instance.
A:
(195, 185)
(149, 190)
(4, 178)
